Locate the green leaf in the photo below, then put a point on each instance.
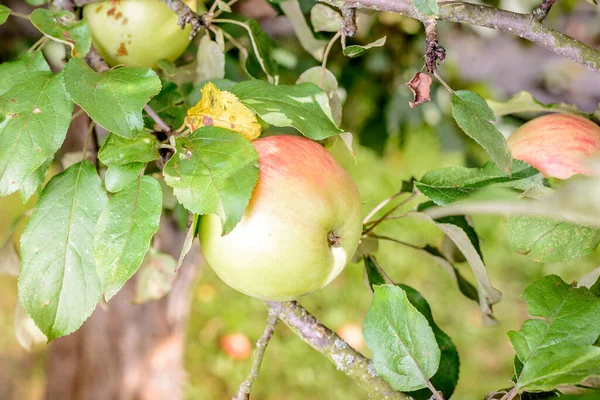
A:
(263, 48)
(189, 240)
(304, 107)
(11, 72)
(124, 231)
(210, 61)
(472, 114)
(557, 346)
(155, 277)
(64, 27)
(117, 150)
(446, 378)
(58, 283)
(448, 185)
(33, 182)
(405, 352)
(4, 13)
(213, 172)
(548, 240)
(594, 2)
(427, 7)
(34, 117)
(293, 11)
(117, 177)
(115, 98)
(525, 102)
(36, 3)
(325, 19)
(357, 50)
(169, 104)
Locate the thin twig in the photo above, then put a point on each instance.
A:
(511, 394)
(501, 20)
(542, 10)
(159, 121)
(436, 394)
(387, 214)
(391, 239)
(334, 348)
(326, 55)
(19, 15)
(87, 139)
(243, 392)
(188, 16)
(349, 26)
(380, 206)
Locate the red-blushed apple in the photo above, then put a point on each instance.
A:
(557, 144)
(302, 224)
(136, 33)
(236, 345)
(352, 334)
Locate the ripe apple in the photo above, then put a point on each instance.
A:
(137, 33)
(302, 224)
(236, 345)
(556, 144)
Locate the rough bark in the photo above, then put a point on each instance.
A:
(127, 351)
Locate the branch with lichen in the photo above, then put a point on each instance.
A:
(543, 9)
(523, 25)
(335, 349)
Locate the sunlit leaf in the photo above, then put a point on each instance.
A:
(125, 228)
(58, 283)
(118, 177)
(223, 109)
(359, 50)
(117, 150)
(64, 27)
(114, 98)
(12, 71)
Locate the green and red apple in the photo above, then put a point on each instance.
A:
(136, 33)
(300, 228)
(557, 144)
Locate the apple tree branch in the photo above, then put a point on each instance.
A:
(523, 25)
(335, 349)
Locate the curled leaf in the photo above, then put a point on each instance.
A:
(222, 109)
(420, 85)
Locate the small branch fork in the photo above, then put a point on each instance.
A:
(434, 53)
(523, 25)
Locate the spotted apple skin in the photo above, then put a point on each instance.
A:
(136, 33)
(557, 144)
(301, 227)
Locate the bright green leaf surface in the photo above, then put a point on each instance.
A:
(117, 150)
(11, 72)
(304, 107)
(214, 172)
(525, 102)
(263, 48)
(447, 185)
(557, 347)
(33, 182)
(357, 50)
(64, 27)
(473, 114)
(405, 352)
(58, 282)
(4, 13)
(115, 98)
(124, 231)
(548, 240)
(117, 177)
(34, 117)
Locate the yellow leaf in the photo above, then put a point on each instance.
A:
(222, 109)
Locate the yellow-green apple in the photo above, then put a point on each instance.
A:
(302, 225)
(136, 32)
(236, 345)
(557, 144)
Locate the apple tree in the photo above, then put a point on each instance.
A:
(168, 146)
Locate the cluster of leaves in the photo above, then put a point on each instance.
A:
(93, 224)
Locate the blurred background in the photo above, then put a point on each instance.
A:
(392, 142)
